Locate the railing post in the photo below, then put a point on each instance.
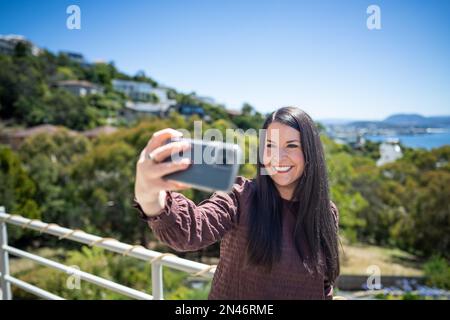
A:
(4, 261)
(157, 281)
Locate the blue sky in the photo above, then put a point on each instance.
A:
(318, 55)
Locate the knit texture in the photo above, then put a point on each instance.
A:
(185, 226)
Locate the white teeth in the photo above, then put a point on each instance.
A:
(282, 169)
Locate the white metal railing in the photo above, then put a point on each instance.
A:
(156, 259)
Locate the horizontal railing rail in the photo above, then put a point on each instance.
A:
(156, 259)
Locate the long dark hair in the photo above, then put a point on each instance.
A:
(315, 235)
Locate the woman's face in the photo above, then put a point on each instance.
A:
(283, 157)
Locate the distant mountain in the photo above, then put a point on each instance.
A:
(336, 121)
(417, 120)
(406, 120)
(440, 121)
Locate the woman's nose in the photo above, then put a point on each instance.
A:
(280, 154)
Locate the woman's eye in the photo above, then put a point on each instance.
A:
(269, 145)
(292, 146)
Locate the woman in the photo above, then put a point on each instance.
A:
(278, 232)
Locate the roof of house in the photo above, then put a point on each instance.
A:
(149, 107)
(233, 112)
(78, 83)
(44, 128)
(99, 130)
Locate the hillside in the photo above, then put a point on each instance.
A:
(405, 121)
(417, 120)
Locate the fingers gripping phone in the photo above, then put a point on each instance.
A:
(214, 165)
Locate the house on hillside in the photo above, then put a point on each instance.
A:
(144, 99)
(16, 138)
(80, 88)
(96, 132)
(134, 90)
(8, 44)
(390, 151)
(77, 58)
(135, 110)
(233, 113)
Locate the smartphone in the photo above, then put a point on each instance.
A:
(214, 165)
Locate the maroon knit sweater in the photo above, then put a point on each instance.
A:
(185, 226)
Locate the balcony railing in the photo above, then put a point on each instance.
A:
(156, 259)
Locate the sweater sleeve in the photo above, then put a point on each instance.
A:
(185, 226)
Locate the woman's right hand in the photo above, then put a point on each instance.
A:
(150, 188)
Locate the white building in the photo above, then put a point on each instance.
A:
(390, 151)
(80, 88)
(136, 91)
(8, 44)
(139, 94)
(76, 57)
(134, 109)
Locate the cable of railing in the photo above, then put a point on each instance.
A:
(156, 259)
(32, 289)
(29, 288)
(139, 252)
(81, 274)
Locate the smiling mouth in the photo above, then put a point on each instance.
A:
(282, 169)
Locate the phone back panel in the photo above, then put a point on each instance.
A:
(210, 173)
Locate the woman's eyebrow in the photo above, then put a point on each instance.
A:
(296, 140)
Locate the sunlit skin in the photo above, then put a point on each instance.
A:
(283, 150)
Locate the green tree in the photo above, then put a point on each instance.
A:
(17, 188)
(17, 191)
(48, 159)
(428, 229)
(349, 201)
(103, 191)
(249, 118)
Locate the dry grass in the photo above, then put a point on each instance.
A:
(356, 258)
